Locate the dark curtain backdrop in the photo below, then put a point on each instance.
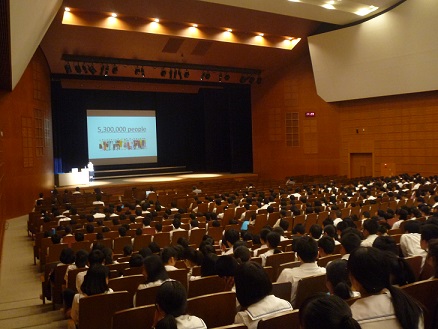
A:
(206, 132)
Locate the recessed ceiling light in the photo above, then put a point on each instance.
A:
(294, 0)
(328, 6)
(114, 15)
(67, 9)
(261, 34)
(229, 30)
(194, 25)
(157, 20)
(366, 11)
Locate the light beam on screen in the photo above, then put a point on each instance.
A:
(117, 137)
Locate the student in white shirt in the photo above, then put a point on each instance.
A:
(253, 292)
(326, 312)
(382, 305)
(171, 305)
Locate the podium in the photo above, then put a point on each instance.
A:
(73, 178)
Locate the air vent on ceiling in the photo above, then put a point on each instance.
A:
(172, 45)
(201, 48)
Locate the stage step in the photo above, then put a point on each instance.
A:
(139, 172)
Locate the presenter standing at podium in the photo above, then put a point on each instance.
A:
(91, 170)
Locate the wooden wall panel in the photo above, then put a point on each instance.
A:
(293, 90)
(397, 130)
(25, 171)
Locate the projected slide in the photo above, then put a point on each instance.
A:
(121, 137)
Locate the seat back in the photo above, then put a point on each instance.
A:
(287, 320)
(162, 239)
(134, 318)
(309, 286)
(196, 236)
(277, 259)
(323, 261)
(296, 263)
(119, 267)
(141, 241)
(426, 293)
(206, 285)
(132, 271)
(216, 309)
(120, 243)
(71, 281)
(415, 265)
(127, 283)
(55, 251)
(215, 232)
(282, 290)
(107, 243)
(57, 284)
(97, 311)
(146, 296)
(179, 275)
(85, 245)
(179, 234)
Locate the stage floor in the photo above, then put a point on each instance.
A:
(158, 180)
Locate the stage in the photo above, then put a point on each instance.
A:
(168, 182)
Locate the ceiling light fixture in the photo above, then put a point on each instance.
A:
(114, 15)
(67, 9)
(67, 68)
(156, 20)
(186, 74)
(195, 25)
(78, 68)
(84, 68)
(220, 77)
(207, 76)
(106, 72)
(115, 69)
(251, 79)
(142, 72)
(328, 6)
(91, 69)
(227, 77)
(163, 73)
(229, 30)
(137, 71)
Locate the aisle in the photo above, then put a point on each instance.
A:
(20, 285)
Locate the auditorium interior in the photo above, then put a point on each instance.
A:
(244, 91)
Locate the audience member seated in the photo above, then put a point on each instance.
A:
(272, 242)
(154, 273)
(171, 306)
(326, 312)
(382, 304)
(253, 292)
(307, 250)
(338, 283)
(95, 282)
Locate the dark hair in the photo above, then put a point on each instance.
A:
(327, 244)
(412, 226)
(371, 226)
(350, 241)
(81, 258)
(172, 300)
(154, 269)
(108, 252)
(136, 260)
(208, 266)
(326, 312)
(167, 253)
(315, 231)
(307, 249)
(231, 236)
(95, 280)
(242, 254)
(386, 243)
(273, 238)
(330, 230)
(67, 256)
(252, 283)
(428, 232)
(368, 266)
(226, 266)
(96, 257)
(299, 228)
(433, 254)
(337, 275)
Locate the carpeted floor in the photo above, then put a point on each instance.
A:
(20, 285)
